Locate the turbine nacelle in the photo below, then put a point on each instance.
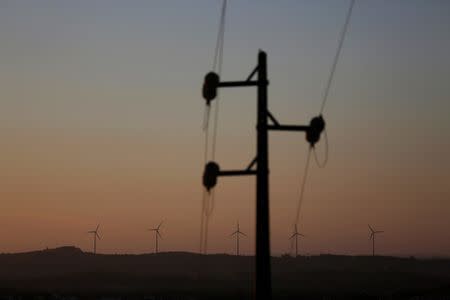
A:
(95, 232)
(373, 232)
(296, 233)
(157, 235)
(95, 236)
(238, 231)
(156, 230)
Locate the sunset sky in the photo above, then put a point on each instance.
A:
(101, 114)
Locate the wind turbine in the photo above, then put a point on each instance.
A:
(372, 237)
(295, 235)
(95, 235)
(157, 235)
(237, 233)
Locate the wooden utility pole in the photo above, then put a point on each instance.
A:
(212, 169)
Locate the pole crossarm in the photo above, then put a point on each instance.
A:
(280, 127)
(225, 84)
(236, 173)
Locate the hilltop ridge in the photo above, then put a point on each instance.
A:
(69, 269)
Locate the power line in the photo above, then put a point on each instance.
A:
(322, 107)
(323, 163)
(209, 197)
(302, 187)
(336, 56)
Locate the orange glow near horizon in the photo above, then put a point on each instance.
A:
(101, 112)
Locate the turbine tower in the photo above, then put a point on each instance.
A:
(157, 235)
(95, 236)
(372, 237)
(237, 233)
(295, 235)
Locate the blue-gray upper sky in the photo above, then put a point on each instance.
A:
(101, 112)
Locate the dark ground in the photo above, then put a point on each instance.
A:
(180, 275)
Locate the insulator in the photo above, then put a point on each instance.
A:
(210, 175)
(316, 126)
(210, 86)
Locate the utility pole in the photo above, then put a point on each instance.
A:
(263, 267)
(212, 170)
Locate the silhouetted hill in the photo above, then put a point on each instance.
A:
(68, 270)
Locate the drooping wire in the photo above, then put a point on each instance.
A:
(217, 64)
(208, 211)
(206, 117)
(322, 107)
(323, 163)
(208, 197)
(218, 58)
(330, 80)
(205, 193)
(302, 186)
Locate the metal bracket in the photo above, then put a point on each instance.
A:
(272, 118)
(253, 162)
(255, 70)
(237, 173)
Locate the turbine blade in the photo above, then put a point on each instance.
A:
(292, 236)
(301, 235)
(97, 227)
(371, 229)
(157, 232)
(234, 233)
(242, 233)
(98, 236)
(160, 224)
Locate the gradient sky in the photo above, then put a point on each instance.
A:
(101, 113)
